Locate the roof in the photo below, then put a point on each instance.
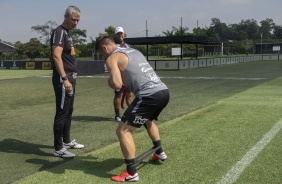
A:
(7, 48)
(269, 43)
(190, 39)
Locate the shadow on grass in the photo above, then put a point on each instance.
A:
(91, 118)
(17, 146)
(86, 164)
(143, 164)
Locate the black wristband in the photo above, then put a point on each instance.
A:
(65, 78)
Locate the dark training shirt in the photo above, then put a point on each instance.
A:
(60, 37)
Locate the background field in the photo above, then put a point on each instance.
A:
(215, 116)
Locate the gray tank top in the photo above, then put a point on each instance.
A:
(139, 77)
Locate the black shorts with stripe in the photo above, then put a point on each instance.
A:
(146, 108)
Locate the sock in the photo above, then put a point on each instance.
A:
(131, 169)
(156, 144)
(117, 112)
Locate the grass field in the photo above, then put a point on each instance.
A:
(222, 125)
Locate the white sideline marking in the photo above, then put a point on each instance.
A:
(234, 173)
(215, 78)
(207, 78)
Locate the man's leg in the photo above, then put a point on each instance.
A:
(60, 117)
(67, 125)
(116, 102)
(128, 98)
(59, 122)
(127, 145)
(124, 133)
(153, 132)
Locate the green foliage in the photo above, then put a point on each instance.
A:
(247, 29)
(33, 48)
(78, 36)
(247, 45)
(181, 31)
(110, 31)
(277, 32)
(44, 31)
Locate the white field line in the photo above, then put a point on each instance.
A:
(234, 173)
(215, 78)
(207, 78)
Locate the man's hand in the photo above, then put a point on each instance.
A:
(68, 86)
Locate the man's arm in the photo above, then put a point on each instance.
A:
(57, 57)
(114, 80)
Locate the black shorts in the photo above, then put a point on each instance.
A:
(146, 108)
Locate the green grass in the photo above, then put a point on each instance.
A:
(207, 127)
(11, 74)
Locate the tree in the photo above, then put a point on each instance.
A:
(250, 27)
(111, 31)
(78, 36)
(218, 28)
(247, 45)
(200, 31)
(277, 32)
(181, 31)
(266, 28)
(33, 48)
(242, 35)
(45, 31)
(168, 33)
(20, 49)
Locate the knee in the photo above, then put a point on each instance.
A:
(148, 124)
(118, 132)
(123, 132)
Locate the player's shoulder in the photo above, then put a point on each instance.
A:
(123, 45)
(127, 45)
(61, 30)
(58, 28)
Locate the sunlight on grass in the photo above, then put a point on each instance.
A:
(208, 125)
(11, 74)
(201, 145)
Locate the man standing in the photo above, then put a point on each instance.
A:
(119, 40)
(129, 67)
(119, 37)
(64, 80)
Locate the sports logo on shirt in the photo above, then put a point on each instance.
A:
(146, 69)
(139, 120)
(152, 77)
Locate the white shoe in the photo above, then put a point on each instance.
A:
(118, 119)
(64, 153)
(162, 156)
(73, 145)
